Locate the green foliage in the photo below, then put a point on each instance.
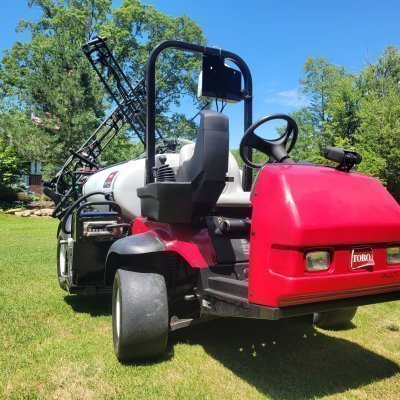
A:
(10, 168)
(8, 197)
(135, 29)
(379, 128)
(320, 81)
(9, 165)
(359, 111)
(307, 147)
(121, 148)
(52, 99)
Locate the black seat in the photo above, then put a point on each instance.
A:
(207, 168)
(200, 179)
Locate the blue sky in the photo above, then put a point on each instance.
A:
(274, 37)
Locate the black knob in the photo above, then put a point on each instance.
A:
(162, 158)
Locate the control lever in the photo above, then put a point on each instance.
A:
(346, 159)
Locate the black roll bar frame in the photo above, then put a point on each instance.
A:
(151, 99)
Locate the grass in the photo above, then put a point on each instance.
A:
(57, 346)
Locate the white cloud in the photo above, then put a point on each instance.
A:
(289, 98)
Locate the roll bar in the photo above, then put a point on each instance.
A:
(151, 99)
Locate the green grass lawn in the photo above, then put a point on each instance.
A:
(58, 346)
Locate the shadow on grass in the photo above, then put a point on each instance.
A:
(96, 306)
(288, 359)
(348, 326)
(168, 355)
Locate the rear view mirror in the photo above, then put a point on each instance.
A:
(219, 81)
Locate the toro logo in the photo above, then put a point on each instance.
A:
(108, 181)
(361, 258)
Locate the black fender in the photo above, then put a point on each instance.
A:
(141, 249)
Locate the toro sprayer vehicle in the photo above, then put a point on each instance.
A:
(182, 234)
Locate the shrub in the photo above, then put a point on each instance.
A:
(9, 165)
(8, 195)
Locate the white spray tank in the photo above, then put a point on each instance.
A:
(122, 180)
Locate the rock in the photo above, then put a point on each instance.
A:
(41, 204)
(24, 197)
(12, 210)
(393, 327)
(46, 212)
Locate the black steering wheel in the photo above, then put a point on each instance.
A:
(277, 149)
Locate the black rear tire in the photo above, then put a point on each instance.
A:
(334, 319)
(139, 315)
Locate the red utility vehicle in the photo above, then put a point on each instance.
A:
(183, 234)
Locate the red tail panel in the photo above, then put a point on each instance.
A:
(297, 208)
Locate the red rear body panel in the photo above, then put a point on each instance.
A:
(194, 245)
(297, 208)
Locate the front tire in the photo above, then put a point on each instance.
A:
(139, 315)
(62, 262)
(334, 319)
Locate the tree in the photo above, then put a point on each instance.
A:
(378, 135)
(320, 80)
(52, 100)
(135, 29)
(343, 108)
(359, 111)
(121, 148)
(50, 94)
(9, 165)
(307, 147)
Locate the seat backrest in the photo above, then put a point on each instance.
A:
(206, 169)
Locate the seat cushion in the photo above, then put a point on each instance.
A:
(234, 199)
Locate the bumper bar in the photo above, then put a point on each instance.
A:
(219, 305)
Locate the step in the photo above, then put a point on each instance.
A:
(229, 286)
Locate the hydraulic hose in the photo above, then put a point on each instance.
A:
(74, 205)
